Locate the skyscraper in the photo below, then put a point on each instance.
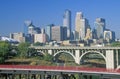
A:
(67, 22)
(100, 27)
(48, 31)
(81, 25)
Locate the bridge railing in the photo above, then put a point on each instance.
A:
(57, 68)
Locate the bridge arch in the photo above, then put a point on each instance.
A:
(67, 52)
(91, 52)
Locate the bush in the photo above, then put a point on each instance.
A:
(48, 57)
(33, 63)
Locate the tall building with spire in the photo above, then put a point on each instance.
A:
(81, 25)
(30, 30)
(67, 22)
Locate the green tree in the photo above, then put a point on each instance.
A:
(23, 49)
(38, 44)
(48, 57)
(4, 50)
(31, 51)
(115, 44)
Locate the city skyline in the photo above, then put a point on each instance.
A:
(44, 12)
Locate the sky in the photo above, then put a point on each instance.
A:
(13, 13)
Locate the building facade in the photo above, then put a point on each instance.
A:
(40, 38)
(108, 36)
(33, 30)
(48, 32)
(88, 34)
(20, 37)
(59, 33)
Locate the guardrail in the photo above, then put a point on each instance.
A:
(56, 68)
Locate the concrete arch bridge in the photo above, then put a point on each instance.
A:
(111, 55)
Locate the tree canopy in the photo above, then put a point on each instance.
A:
(23, 49)
(48, 57)
(38, 44)
(115, 44)
(4, 50)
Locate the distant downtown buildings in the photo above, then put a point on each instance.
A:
(82, 32)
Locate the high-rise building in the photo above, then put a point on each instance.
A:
(100, 27)
(31, 31)
(73, 35)
(78, 18)
(48, 32)
(64, 33)
(42, 30)
(81, 25)
(59, 33)
(67, 22)
(94, 34)
(113, 36)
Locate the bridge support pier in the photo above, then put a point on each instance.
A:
(50, 52)
(110, 59)
(7, 76)
(85, 76)
(90, 76)
(41, 76)
(19, 76)
(77, 55)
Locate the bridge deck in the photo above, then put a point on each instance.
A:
(73, 47)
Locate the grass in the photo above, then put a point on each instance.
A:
(28, 61)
